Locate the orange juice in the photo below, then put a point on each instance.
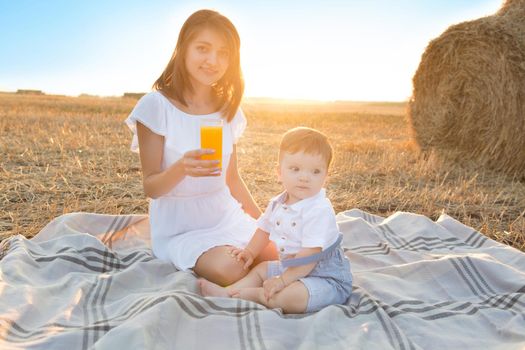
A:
(211, 137)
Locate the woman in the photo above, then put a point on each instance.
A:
(198, 211)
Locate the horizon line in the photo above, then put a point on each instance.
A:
(245, 98)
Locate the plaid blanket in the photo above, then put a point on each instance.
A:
(90, 281)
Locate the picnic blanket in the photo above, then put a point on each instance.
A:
(89, 281)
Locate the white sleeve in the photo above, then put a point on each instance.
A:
(150, 112)
(264, 220)
(319, 228)
(238, 125)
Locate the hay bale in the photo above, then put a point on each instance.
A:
(29, 92)
(469, 91)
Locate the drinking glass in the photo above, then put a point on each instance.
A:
(211, 137)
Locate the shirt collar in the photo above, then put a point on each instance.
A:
(300, 204)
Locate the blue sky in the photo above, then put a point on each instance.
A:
(323, 50)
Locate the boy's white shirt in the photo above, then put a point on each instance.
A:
(307, 223)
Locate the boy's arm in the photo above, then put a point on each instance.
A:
(256, 245)
(292, 274)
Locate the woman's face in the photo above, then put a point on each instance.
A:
(207, 58)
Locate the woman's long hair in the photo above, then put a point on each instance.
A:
(174, 80)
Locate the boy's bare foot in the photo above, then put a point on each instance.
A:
(210, 289)
(253, 294)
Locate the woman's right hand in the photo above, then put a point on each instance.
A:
(193, 165)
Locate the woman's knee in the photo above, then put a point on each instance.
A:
(223, 271)
(229, 271)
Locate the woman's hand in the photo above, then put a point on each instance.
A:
(193, 165)
(243, 254)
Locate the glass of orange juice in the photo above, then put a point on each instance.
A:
(211, 137)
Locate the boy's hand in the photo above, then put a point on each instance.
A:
(243, 254)
(272, 286)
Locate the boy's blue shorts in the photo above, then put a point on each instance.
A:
(330, 282)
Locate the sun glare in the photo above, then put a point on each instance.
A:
(352, 52)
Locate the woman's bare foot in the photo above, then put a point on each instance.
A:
(210, 289)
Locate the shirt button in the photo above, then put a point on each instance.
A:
(285, 207)
(282, 250)
(293, 223)
(283, 238)
(278, 223)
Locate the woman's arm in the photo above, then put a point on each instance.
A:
(238, 188)
(157, 182)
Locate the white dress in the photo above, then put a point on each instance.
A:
(200, 212)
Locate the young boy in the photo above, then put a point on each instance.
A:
(313, 271)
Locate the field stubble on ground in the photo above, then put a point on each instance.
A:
(65, 154)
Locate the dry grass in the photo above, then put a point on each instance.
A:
(62, 154)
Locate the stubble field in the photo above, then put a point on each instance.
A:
(67, 154)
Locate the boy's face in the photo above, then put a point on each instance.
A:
(302, 175)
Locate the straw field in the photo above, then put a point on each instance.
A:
(64, 154)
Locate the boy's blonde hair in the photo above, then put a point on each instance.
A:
(307, 140)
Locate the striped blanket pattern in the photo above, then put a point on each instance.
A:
(89, 281)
